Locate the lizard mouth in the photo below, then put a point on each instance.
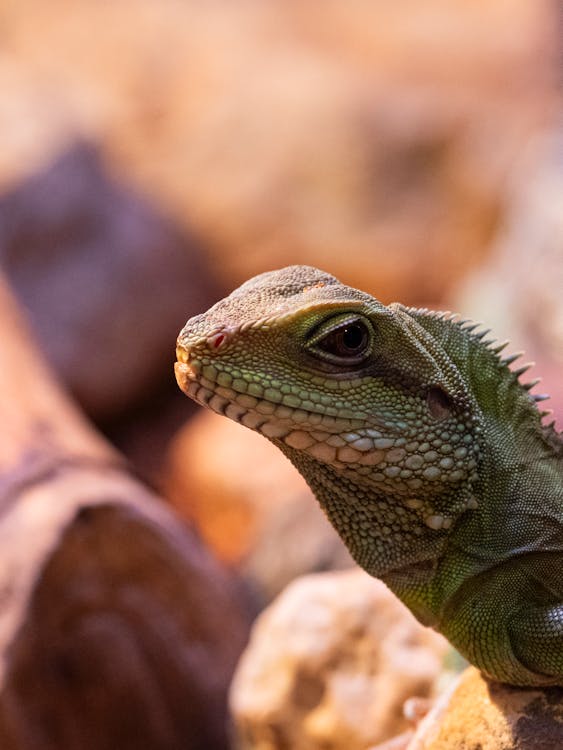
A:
(327, 438)
(234, 403)
(226, 401)
(359, 442)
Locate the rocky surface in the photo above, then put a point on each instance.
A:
(476, 714)
(249, 504)
(105, 279)
(118, 629)
(330, 664)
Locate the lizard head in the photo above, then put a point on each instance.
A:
(334, 378)
(402, 421)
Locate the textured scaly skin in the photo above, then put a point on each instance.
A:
(421, 445)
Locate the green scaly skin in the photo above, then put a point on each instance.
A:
(421, 445)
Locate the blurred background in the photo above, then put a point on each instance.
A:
(156, 153)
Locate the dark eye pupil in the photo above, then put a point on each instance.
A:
(354, 337)
(350, 340)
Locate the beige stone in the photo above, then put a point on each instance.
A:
(330, 665)
(476, 714)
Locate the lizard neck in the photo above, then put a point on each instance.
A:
(515, 439)
(520, 475)
(381, 532)
(384, 537)
(520, 481)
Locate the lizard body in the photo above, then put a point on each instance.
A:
(421, 445)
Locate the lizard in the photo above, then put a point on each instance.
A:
(427, 453)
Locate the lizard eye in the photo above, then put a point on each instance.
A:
(346, 341)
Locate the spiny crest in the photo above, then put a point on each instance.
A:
(475, 335)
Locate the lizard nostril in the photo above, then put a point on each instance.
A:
(220, 338)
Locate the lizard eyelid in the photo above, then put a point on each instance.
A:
(345, 339)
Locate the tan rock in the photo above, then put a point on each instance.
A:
(249, 504)
(476, 714)
(330, 665)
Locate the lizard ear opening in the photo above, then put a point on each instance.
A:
(439, 403)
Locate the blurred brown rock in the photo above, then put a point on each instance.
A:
(330, 664)
(117, 628)
(249, 504)
(372, 139)
(106, 280)
(480, 715)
